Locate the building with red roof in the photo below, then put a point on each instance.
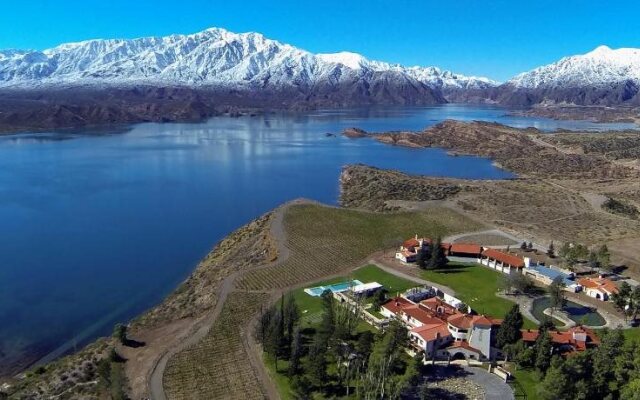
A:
(435, 325)
(409, 250)
(468, 250)
(577, 338)
(501, 261)
(598, 288)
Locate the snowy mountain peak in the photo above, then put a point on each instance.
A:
(214, 57)
(602, 66)
(346, 58)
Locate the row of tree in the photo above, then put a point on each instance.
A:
(331, 358)
(572, 253)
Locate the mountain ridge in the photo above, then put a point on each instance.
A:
(214, 57)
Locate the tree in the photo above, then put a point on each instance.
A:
(274, 338)
(422, 258)
(621, 299)
(556, 384)
(291, 315)
(316, 366)
(513, 350)
(438, 259)
(551, 251)
(301, 386)
(378, 300)
(365, 344)
(328, 321)
(120, 333)
(546, 324)
(593, 262)
(523, 246)
(611, 345)
(529, 246)
(509, 331)
(516, 283)
(296, 353)
(604, 257)
(543, 349)
(556, 293)
(632, 390)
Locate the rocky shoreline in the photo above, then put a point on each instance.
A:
(591, 113)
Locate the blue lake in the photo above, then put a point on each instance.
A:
(96, 227)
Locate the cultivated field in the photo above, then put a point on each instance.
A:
(218, 367)
(325, 241)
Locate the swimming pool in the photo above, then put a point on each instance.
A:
(335, 288)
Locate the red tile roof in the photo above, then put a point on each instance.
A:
(396, 304)
(411, 243)
(422, 315)
(566, 337)
(463, 345)
(461, 321)
(481, 320)
(505, 258)
(432, 331)
(465, 248)
(603, 284)
(435, 303)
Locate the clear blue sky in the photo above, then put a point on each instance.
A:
(491, 38)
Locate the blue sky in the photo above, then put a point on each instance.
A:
(491, 38)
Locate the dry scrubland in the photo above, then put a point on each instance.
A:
(72, 377)
(564, 179)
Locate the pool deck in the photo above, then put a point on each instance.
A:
(334, 287)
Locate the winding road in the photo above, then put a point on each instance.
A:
(200, 330)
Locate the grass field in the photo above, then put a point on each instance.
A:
(476, 286)
(218, 366)
(525, 383)
(324, 241)
(311, 307)
(632, 334)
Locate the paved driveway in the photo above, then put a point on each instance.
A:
(494, 387)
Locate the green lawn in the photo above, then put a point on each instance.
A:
(392, 283)
(525, 383)
(311, 307)
(476, 286)
(632, 334)
(281, 380)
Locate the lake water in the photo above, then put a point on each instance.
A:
(96, 227)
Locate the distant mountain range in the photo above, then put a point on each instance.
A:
(188, 76)
(601, 77)
(216, 59)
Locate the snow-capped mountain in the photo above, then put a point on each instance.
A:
(600, 67)
(602, 76)
(214, 57)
